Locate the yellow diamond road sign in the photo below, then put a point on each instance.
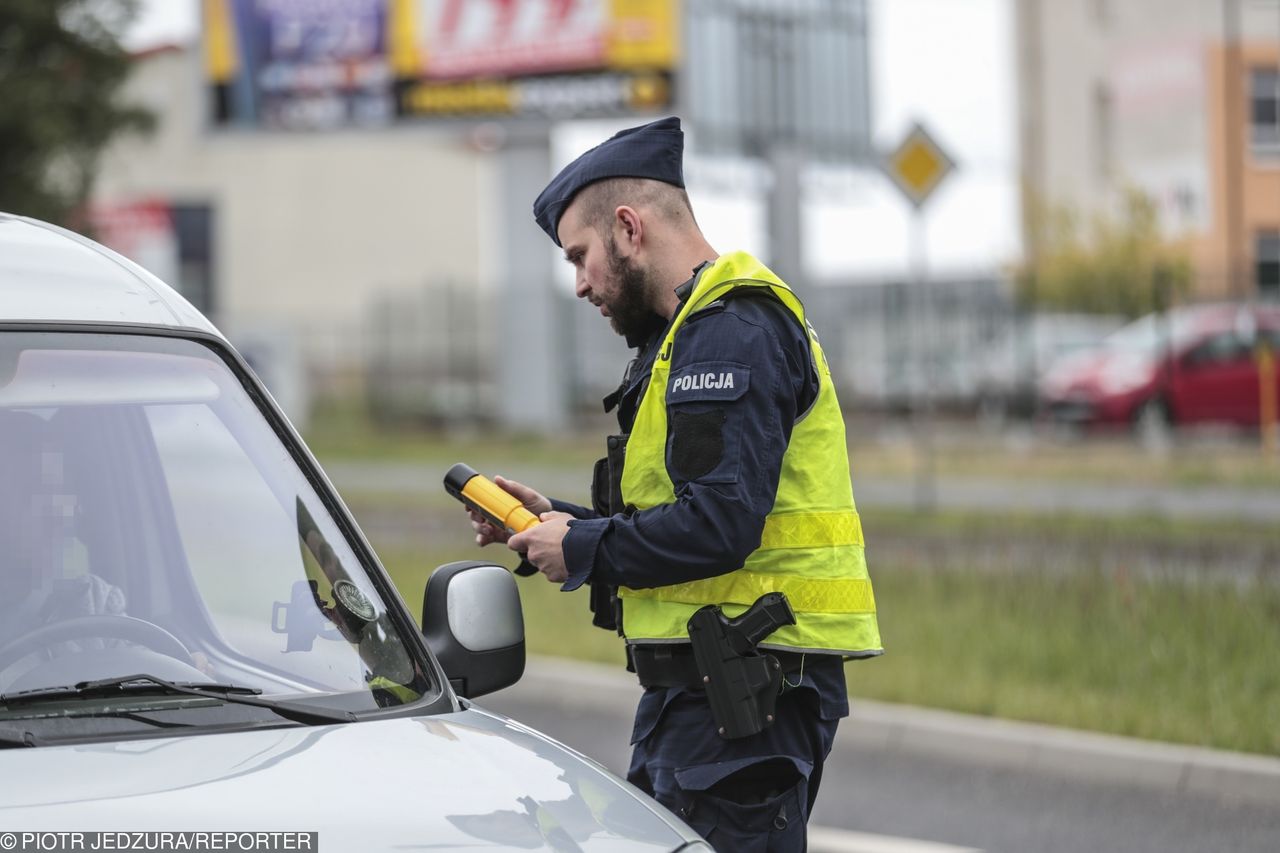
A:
(918, 165)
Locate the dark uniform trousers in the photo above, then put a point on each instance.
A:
(749, 794)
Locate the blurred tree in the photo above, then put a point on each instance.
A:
(61, 69)
(1119, 264)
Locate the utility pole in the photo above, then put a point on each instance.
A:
(784, 83)
(531, 400)
(1233, 144)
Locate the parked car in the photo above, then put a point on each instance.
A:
(1009, 368)
(1192, 365)
(195, 634)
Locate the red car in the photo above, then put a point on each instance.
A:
(1190, 366)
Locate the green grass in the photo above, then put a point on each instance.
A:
(882, 450)
(1164, 660)
(1235, 463)
(880, 523)
(339, 431)
(1066, 528)
(1175, 661)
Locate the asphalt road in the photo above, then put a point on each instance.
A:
(1248, 559)
(880, 797)
(961, 493)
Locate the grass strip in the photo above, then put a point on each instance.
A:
(341, 431)
(972, 525)
(1157, 659)
(997, 526)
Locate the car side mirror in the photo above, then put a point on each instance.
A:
(472, 621)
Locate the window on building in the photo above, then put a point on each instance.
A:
(1264, 112)
(193, 224)
(1267, 255)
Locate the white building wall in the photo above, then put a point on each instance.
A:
(1121, 101)
(309, 230)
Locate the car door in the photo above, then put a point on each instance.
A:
(1217, 381)
(1269, 337)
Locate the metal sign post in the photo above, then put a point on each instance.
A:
(783, 83)
(916, 167)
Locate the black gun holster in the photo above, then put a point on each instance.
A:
(742, 684)
(606, 499)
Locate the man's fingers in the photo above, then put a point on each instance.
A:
(510, 485)
(531, 498)
(484, 529)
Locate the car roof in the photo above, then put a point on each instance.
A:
(1228, 311)
(49, 274)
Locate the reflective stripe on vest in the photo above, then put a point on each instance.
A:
(814, 595)
(811, 530)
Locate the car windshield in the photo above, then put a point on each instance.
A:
(1149, 335)
(152, 521)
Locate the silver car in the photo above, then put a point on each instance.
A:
(195, 635)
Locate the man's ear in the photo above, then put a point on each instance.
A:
(627, 227)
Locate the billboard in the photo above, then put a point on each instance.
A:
(317, 64)
(771, 71)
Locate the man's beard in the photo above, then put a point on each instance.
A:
(629, 313)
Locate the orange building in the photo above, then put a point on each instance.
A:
(1179, 98)
(1244, 122)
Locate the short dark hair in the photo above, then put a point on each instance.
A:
(600, 199)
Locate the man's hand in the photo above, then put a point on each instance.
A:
(533, 501)
(541, 545)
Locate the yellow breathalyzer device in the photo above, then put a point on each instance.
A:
(500, 508)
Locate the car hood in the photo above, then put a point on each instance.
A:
(470, 780)
(1098, 369)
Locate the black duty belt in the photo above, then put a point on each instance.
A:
(672, 664)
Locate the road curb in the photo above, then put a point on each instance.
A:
(1028, 746)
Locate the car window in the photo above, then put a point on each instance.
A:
(1150, 335)
(144, 485)
(1220, 348)
(232, 526)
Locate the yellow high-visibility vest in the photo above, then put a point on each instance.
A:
(811, 548)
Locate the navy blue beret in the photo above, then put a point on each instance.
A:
(654, 150)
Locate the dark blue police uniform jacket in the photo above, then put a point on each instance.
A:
(751, 793)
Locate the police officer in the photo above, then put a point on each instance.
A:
(729, 479)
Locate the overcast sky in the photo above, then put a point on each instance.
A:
(945, 63)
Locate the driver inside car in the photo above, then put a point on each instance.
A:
(44, 566)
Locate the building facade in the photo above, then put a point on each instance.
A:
(1177, 98)
(290, 238)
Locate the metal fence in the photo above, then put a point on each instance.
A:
(431, 355)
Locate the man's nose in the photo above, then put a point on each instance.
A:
(580, 288)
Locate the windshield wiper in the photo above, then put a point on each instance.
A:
(143, 683)
(120, 684)
(11, 738)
